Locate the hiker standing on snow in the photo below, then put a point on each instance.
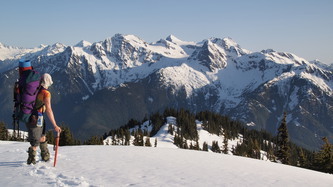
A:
(36, 132)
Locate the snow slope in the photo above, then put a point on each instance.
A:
(166, 140)
(147, 166)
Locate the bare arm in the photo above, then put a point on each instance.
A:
(50, 115)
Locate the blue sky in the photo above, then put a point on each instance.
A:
(302, 27)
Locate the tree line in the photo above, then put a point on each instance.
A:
(67, 137)
(253, 142)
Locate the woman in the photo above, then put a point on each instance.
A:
(37, 132)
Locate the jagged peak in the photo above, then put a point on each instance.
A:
(225, 42)
(214, 43)
(132, 37)
(268, 51)
(42, 46)
(206, 43)
(129, 37)
(118, 35)
(58, 45)
(210, 55)
(161, 41)
(3, 45)
(7, 46)
(165, 43)
(83, 43)
(229, 41)
(53, 49)
(232, 47)
(173, 39)
(322, 65)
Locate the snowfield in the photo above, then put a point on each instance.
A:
(147, 166)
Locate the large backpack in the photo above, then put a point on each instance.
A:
(25, 94)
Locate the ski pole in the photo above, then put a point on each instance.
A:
(56, 148)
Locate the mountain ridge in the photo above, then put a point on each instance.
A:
(215, 74)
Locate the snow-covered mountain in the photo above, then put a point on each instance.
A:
(125, 77)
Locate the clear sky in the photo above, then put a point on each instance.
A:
(302, 27)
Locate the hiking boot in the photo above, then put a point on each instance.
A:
(44, 151)
(32, 155)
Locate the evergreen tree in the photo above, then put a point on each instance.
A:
(94, 140)
(225, 146)
(216, 147)
(157, 121)
(205, 146)
(113, 141)
(138, 138)
(66, 137)
(197, 146)
(178, 130)
(225, 143)
(122, 135)
(176, 140)
(127, 137)
(324, 158)
(302, 159)
(191, 145)
(50, 137)
(294, 155)
(170, 129)
(147, 142)
(3, 131)
(256, 148)
(240, 149)
(186, 122)
(250, 148)
(132, 123)
(169, 112)
(185, 145)
(283, 142)
(105, 136)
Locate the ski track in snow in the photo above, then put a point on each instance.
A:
(53, 177)
(41, 174)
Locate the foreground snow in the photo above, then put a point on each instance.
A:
(147, 166)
